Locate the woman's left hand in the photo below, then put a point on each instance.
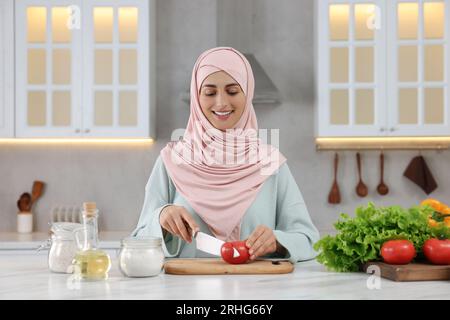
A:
(262, 241)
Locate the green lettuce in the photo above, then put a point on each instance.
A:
(359, 239)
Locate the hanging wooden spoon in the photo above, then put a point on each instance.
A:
(334, 195)
(361, 188)
(382, 187)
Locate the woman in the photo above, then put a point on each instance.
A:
(220, 179)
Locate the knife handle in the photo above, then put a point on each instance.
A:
(189, 230)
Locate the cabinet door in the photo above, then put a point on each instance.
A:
(350, 67)
(48, 68)
(6, 69)
(419, 68)
(116, 82)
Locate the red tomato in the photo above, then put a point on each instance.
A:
(398, 251)
(227, 252)
(437, 251)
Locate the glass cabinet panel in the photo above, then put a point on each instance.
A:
(116, 70)
(339, 65)
(364, 13)
(128, 108)
(339, 109)
(128, 23)
(82, 68)
(364, 106)
(434, 105)
(36, 24)
(61, 108)
(60, 32)
(407, 63)
(434, 13)
(408, 106)
(37, 108)
(61, 66)
(128, 66)
(352, 50)
(364, 64)
(103, 114)
(383, 68)
(408, 20)
(338, 21)
(46, 94)
(103, 66)
(434, 63)
(103, 24)
(37, 66)
(421, 62)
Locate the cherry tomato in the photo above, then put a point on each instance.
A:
(398, 251)
(437, 251)
(227, 252)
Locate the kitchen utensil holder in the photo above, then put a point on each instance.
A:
(24, 222)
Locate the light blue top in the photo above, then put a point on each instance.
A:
(278, 205)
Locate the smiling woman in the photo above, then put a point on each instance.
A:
(222, 100)
(220, 178)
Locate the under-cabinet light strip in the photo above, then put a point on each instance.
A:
(399, 143)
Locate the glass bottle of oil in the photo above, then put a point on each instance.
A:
(90, 262)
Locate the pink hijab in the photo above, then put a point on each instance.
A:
(219, 172)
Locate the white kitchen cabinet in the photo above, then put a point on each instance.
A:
(83, 68)
(6, 69)
(419, 64)
(382, 68)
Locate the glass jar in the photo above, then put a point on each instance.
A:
(141, 257)
(62, 247)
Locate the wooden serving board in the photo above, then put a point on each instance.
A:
(412, 271)
(218, 266)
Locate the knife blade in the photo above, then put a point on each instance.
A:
(211, 245)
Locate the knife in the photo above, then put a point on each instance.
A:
(209, 244)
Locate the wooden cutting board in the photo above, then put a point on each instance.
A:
(218, 266)
(411, 272)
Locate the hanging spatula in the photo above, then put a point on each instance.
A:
(334, 196)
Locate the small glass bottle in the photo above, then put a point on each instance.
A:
(90, 262)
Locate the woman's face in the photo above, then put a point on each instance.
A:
(222, 100)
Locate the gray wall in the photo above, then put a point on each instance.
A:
(115, 175)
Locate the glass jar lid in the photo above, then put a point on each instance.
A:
(141, 242)
(64, 230)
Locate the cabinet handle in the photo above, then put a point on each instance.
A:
(392, 129)
(382, 129)
(77, 131)
(87, 130)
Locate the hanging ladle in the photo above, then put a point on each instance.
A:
(361, 188)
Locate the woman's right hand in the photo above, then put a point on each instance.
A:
(178, 221)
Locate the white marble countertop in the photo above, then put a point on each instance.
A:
(25, 276)
(31, 241)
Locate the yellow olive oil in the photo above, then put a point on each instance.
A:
(92, 264)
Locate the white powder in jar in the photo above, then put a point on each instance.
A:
(138, 260)
(61, 255)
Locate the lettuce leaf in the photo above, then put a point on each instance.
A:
(359, 239)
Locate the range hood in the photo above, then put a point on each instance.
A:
(237, 32)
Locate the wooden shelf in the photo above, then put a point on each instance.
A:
(388, 143)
